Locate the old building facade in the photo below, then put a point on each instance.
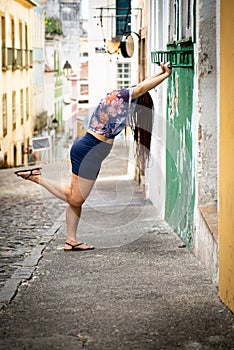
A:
(16, 125)
(188, 179)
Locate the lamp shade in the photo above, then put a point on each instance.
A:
(67, 69)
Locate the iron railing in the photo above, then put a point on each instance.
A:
(177, 58)
(16, 58)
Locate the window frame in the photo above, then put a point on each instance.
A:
(123, 69)
(173, 20)
(187, 19)
(12, 33)
(180, 20)
(3, 39)
(122, 7)
(21, 106)
(4, 114)
(13, 109)
(84, 89)
(27, 103)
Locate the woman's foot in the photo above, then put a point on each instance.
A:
(29, 174)
(76, 246)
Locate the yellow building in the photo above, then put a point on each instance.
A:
(15, 80)
(226, 166)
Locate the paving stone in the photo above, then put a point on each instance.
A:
(27, 220)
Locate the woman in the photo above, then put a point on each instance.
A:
(87, 153)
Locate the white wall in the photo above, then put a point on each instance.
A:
(102, 72)
(156, 172)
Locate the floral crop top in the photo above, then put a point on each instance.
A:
(111, 115)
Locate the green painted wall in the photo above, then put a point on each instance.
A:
(180, 189)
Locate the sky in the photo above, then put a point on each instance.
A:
(85, 8)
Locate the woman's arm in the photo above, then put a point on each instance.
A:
(152, 82)
(159, 72)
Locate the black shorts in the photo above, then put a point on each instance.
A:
(87, 154)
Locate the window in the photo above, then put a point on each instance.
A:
(123, 75)
(3, 37)
(22, 106)
(4, 114)
(123, 21)
(84, 89)
(173, 20)
(13, 33)
(26, 36)
(3, 27)
(69, 13)
(13, 110)
(27, 103)
(180, 19)
(21, 35)
(11, 53)
(187, 16)
(19, 56)
(26, 58)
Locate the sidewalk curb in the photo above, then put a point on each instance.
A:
(25, 271)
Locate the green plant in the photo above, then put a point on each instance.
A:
(84, 340)
(53, 25)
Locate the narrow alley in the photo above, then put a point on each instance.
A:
(140, 289)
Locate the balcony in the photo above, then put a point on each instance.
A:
(177, 58)
(16, 59)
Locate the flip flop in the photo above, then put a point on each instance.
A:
(30, 172)
(76, 247)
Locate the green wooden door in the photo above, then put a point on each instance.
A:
(180, 179)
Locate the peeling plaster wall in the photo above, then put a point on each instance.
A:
(205, 245)
(207, 105)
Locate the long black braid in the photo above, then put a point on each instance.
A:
(141, 125)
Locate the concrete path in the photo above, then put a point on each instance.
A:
(140, 289)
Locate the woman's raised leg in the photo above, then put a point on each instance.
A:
(74, 195)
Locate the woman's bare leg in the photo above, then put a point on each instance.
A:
(74, 195)
(81, 188)
(72, 217)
